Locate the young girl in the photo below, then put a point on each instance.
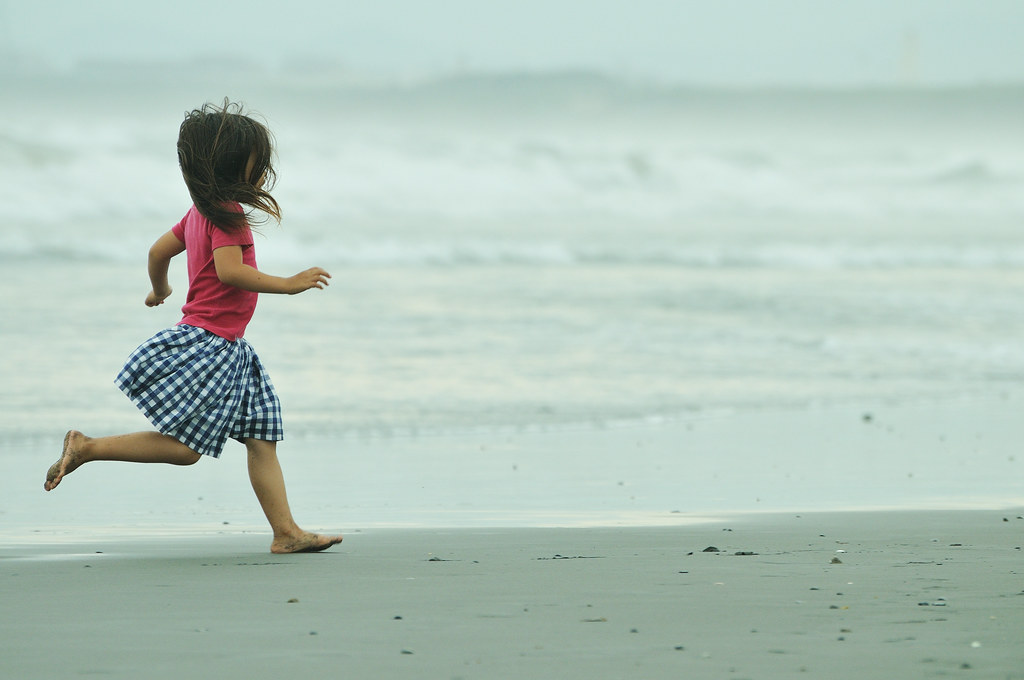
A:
(200, 382)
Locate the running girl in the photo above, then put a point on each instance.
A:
(200, 383)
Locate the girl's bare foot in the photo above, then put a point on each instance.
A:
(67, 462)
(303, 542)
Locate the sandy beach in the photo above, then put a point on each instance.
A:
(828, 595)
(849, 543)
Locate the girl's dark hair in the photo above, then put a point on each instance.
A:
(214, 148)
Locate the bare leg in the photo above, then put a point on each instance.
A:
(139, 447)
(268, 483)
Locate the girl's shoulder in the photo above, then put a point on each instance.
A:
(193, 216)
(196, 219)
(194, 227)
(186, 224)
(219, 236)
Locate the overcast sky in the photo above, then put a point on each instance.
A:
(727, 42)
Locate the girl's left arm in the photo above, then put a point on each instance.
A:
(160, 254)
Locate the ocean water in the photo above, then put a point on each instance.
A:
(533, 251)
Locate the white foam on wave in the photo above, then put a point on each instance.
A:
(696, 159)
(282, 248)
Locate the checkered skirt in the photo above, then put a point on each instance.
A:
(199, 388)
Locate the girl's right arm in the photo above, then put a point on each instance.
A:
(232, 271)
(160, 254)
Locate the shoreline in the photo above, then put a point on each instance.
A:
(936, 455)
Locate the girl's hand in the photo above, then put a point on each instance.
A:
(315, 277)
(152, 300)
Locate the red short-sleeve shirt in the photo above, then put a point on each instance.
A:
(211, 304)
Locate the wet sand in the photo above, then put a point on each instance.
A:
(576, 553)
(831, 595)
(944, 454)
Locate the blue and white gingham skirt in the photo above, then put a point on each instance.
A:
(201, 389)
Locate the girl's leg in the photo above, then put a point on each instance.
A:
(139, 447)
(268, 483)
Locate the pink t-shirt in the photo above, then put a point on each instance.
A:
(210, 304)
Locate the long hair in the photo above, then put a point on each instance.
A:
(215, 145)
